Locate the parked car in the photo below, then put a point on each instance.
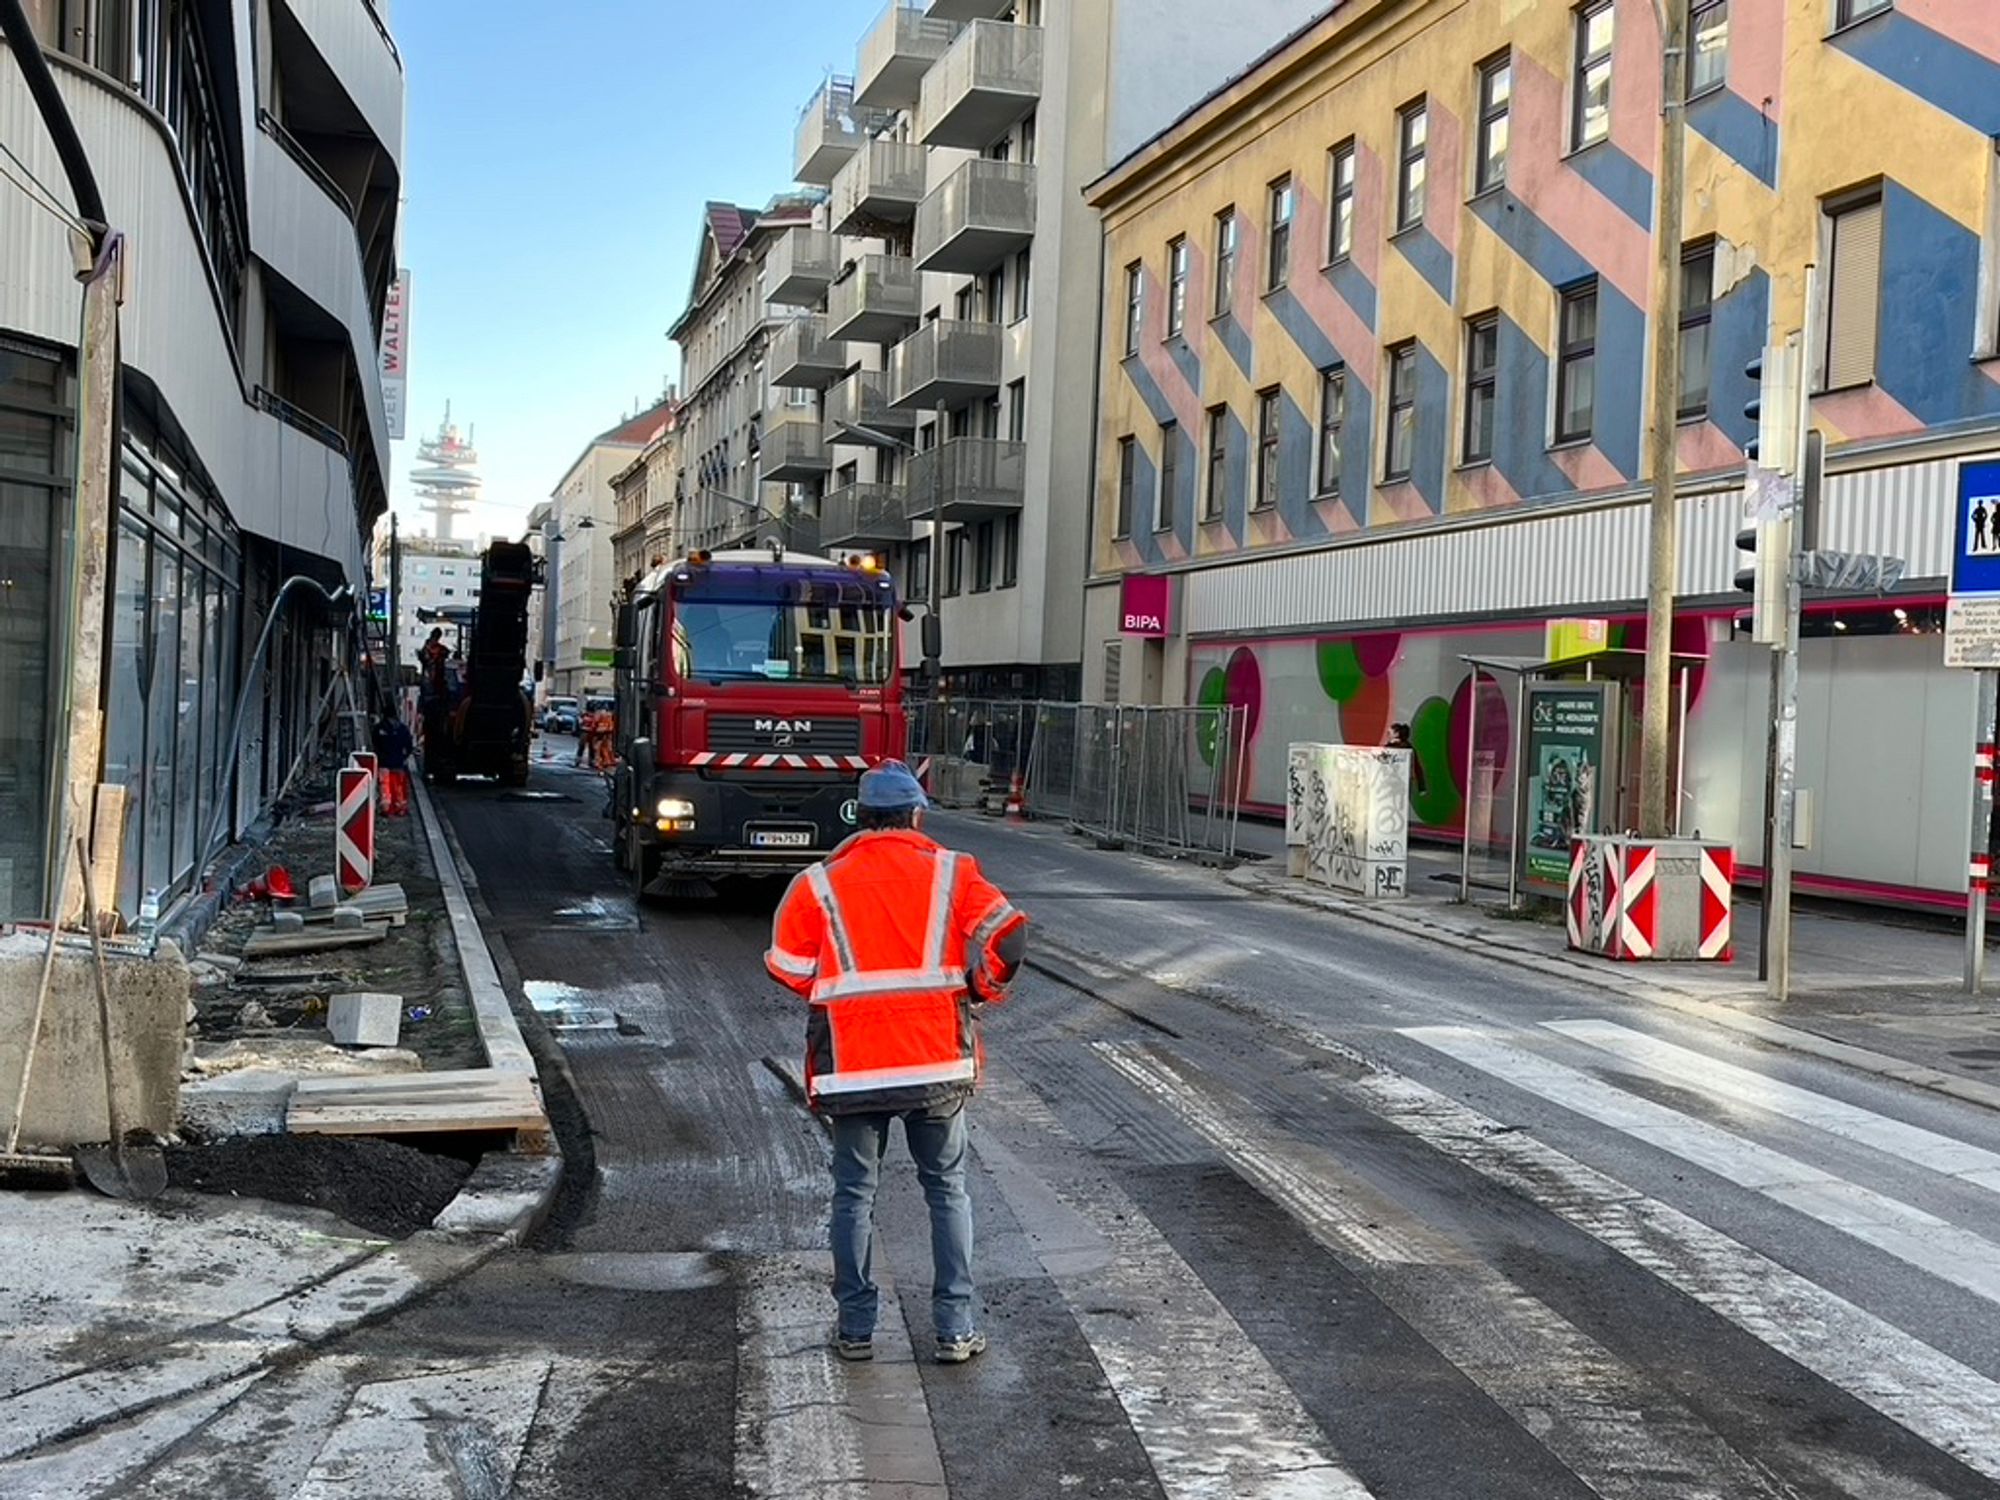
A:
(561, 716)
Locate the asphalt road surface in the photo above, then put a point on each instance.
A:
(1268, 1205)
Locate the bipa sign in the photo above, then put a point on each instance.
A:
(1144, 603)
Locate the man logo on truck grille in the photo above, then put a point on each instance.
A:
(783, 726)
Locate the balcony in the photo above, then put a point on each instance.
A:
(875, 303)
(800, 267)
(803, 357)
(862, 400)
(864, 515)
(793, 449)
(980, 215)
(982, 478)
(830, 131)
(987, 82)
(970, 10)
(896, 53)
(883, 184)
(945, 361)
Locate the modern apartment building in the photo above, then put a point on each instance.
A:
(250, 150)
(436, 575)
(935, 358)
(643, 500)
(1374, 388)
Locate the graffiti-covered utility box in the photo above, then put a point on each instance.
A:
(1635, 898)
(1347, 818)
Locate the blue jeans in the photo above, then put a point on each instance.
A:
(937, 1140)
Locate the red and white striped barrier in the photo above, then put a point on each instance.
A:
(354, 830)
(366, 760)
(1618, 908)
(751, 761)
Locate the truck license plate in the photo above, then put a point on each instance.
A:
(781, 838)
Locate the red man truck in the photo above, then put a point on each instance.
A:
(754, 687)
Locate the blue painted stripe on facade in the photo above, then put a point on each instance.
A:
(1187, 362)
(1295, 465)
(1619, 178)
(1355, 289)
(1357, 451)
(1186, 486)
(1433, 445)
(1236, 466)
(1735, 127)
(1145, 485)
(1621, 380)
(1736, 336)
(1523, 231)
(1161, 409)
(1930, 283)
(1304, 330)
(1421, 249)
(1934, 68)
(1236, 339)
(1520, 425)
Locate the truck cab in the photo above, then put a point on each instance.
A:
(753, 689)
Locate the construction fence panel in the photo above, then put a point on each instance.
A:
(1167, 780)
(973, 750)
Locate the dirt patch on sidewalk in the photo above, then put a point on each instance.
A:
(378, 1186)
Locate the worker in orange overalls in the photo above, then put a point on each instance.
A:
(894, 942)
(607, 740)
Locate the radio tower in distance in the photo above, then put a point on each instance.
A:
(447, 479)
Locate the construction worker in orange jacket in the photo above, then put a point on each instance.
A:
(893, 940)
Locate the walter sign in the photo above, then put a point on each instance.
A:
(1144, 604)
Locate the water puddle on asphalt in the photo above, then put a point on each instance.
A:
(568, 1008)
(597, 915)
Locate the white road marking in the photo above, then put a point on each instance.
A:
(455, 1432)
(1909, 1234)
(1620, 1433)
(1216, 1420)
(811, 1428)
(1726, 1081)
(1947, 1404)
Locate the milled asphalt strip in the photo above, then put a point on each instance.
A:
(1622, 1434)
(1916, 1238)
(499, 1033)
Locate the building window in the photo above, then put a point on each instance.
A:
(1170, 476)
(1267, 449)
(1482, 362)
(920, 569)
(1332, 415)
(1402, 412)
(1215, 482)
(1590, 120)
(1028, 138)
(1697, 312)
(1128, 468)
(1340, 203)
(1177, 270)
(1135, 306)
(1847, 12)
(1576, 364)
(1280, 267)
(982, 557)
(1854, 292)
(954, 563)
(1017, 411)
(1010, 551)
(1496, 95)
(1020, 280)
(1413, 133)
(1708, 46)
(1225, 261)
(996, 295)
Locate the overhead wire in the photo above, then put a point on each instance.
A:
(41, 195)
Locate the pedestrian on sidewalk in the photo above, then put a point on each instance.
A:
(393, 745)
(895, 941)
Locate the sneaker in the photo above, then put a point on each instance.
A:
(957, 1351)
(854, 1351)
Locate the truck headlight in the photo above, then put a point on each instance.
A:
(675, 808)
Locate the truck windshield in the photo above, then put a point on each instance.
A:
(783, 629)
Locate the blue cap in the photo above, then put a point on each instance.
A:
(890, 787)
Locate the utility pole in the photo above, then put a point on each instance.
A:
(395, 609)
(1656, 818)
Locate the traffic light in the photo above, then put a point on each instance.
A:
(1775, 407)
(1769, 544)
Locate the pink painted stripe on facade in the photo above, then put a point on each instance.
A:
(1444, 175)
(1371, 207)
(1488, 488)
(1336, 318)
(1587, 467)
(1158, 361)
(1589, 222)
(1401, 502)
(1974, 24)
(1757, 51)
(1702, 446)
(1870, 412)
(1336, 516)
(1635, 83)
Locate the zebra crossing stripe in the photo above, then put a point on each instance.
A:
(1909, 1234)
(1217, 1421)
(1727, 1082)
(1622, 1434)
(1947, 1404)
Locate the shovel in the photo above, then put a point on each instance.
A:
(113, 1169)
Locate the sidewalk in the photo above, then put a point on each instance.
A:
(173, 1306)
(1877, 990)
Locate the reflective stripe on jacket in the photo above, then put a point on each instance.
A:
(889, 940)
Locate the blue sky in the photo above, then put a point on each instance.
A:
(556, 162)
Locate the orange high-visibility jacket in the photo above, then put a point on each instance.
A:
(891, 939)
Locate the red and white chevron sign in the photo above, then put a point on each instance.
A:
(354, 830)
(364, 760)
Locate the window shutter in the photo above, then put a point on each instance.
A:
(1854, 305)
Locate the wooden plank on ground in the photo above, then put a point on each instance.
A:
(268, 944)
(410, 1103)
